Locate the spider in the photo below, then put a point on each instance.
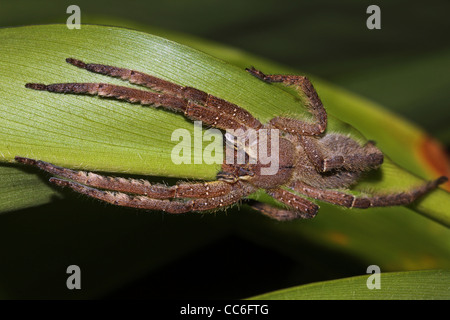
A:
(312, 162)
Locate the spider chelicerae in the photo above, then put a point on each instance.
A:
(311, 162)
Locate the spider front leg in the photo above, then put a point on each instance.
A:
(222, 108)
(194, 103)
(314, 104)
(190, 109)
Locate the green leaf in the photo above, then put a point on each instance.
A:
(20, 189)
(413, 285)
(106, 135)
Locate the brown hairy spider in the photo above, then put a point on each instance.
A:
(311, 162)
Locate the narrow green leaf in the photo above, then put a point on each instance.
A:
(413, 285)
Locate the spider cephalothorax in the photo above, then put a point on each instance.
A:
(310, 162)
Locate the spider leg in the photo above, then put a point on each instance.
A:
(171, 206)
(352, 201)
(353, 157)
(190, 109)
(298, 207)
(277, 213)
(141, 187)
(317, 156)
(143, 79)
(314, 104)
(222, 108)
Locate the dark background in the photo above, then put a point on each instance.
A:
(404, 66)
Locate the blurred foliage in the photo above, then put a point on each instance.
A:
(402, 66)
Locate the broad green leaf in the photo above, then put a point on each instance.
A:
(413, 285)
(101, 134)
